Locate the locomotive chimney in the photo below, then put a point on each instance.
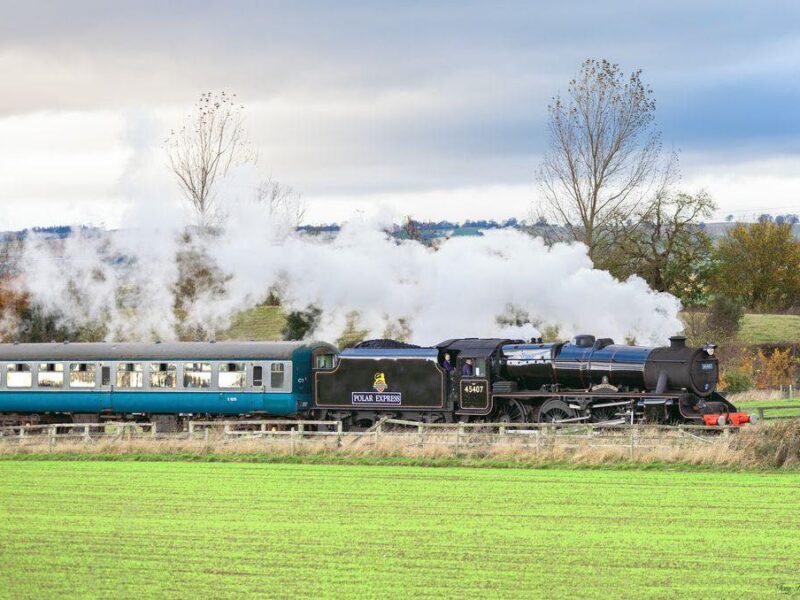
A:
(676, 342)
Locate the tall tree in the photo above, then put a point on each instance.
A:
(759, 265)
(668, 247)
(205, 147)
(604, 154)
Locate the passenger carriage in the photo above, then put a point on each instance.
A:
(161, 382)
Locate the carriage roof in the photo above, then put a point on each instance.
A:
(152, 351)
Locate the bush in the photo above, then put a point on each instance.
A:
(724, 317)
(300, 323)
(734, 381)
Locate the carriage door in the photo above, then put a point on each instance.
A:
(257, 386)
(474, 384)
(105, 387)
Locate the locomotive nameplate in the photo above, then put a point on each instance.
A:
(394, 398)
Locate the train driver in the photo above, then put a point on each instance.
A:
(466, 369)
(447, 365)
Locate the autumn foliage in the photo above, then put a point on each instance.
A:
(758, 265)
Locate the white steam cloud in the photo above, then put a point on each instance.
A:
(126, 278)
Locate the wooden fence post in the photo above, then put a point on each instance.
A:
(339, 434)
(633, 440)
(421, 433)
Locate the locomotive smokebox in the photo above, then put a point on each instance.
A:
(677, 367)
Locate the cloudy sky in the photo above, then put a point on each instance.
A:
(434, 109)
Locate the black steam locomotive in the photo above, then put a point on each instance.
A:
(501, 380)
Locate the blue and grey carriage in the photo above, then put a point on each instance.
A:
(160, 382)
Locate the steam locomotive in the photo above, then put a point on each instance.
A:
(583, 380)
(468, 379)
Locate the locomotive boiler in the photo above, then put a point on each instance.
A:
(586, 363)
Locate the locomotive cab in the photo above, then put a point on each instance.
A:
(476, 367)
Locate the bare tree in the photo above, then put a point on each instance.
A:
(604, 153)
(283, 202)
(210, 141)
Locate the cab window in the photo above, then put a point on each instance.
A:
(480, 367)
(326, 361)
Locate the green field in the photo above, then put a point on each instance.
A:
(70, 529)
(758, 329)
(258, 323)
(752, 405)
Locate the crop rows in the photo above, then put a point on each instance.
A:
(120, 528)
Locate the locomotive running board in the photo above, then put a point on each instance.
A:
(629, 395)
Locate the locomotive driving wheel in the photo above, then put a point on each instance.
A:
(606, 413)
(555, 411)
(511, 411)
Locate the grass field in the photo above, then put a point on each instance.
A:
(214, 530)
(757, 329)
(751, 406)
(258, 323)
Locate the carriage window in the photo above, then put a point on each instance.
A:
(258, 376)
(19, 376)
(130, 375)
(82, 375)
(232, 375)
(163, 375)
(325, 361)
(276, 375)
(196, 375)
(51, 375)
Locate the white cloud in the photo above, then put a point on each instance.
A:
(747, 188)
